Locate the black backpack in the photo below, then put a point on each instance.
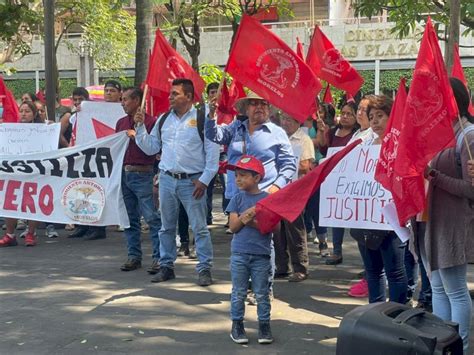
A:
(201, 118)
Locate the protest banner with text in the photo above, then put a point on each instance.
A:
(78, 185)
(350, 196)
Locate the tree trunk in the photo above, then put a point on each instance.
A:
(144, 19)
(453, 32)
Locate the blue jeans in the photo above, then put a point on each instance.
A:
(389, 256)
(173, 191)
(137, 190)
(451, 300)
(256, 267)
(337, 238)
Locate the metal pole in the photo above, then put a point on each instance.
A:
(377, 77)
(49, 58)
(37, 80)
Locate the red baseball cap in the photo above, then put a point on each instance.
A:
(248, 162)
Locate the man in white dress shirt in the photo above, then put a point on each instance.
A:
(188, 163)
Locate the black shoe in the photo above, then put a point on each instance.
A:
(95, 235)
(163, 274)
(334, 260)
(205, 278)
(79, 232)
(131, 264)
(264, 332)
(237, 334)
(183, 250)
(281, 275)
(154, 267)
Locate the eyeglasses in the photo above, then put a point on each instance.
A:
(258, 102)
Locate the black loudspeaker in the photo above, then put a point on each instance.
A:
(394, 329)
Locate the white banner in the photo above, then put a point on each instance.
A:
(28, 138)
(96, 117)
(77, 185)
(350, 196)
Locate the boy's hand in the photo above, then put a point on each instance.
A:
(247, 216)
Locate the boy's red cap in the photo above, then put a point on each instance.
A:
(248, 162)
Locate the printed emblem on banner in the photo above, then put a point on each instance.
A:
(176, 70)
(389, 154)
(278, 69)
(83, 200)
(334, 63)
(426, 106)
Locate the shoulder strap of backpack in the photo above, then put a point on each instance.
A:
(162, 121)
(201, 118)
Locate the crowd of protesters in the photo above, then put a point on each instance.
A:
(183, 152)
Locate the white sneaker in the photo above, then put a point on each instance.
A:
(178, 241)
(23, 235)
(50, 231)
(21, 224)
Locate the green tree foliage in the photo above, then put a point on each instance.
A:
(407, 13)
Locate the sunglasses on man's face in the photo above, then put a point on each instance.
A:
(258, 102)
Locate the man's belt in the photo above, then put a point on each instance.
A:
(138, 168)
(180, 176)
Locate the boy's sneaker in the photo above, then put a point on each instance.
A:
(323, 249)
(30, 239)
(251, 298)
(237, 334)
(50, 231)
(359, 290)
(183, 250)
(8, 240)
(264, 332)
(23, 234)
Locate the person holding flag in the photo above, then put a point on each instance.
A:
(447, 246)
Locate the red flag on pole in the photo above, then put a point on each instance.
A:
(408, 193)
(327, 98)
(263, 62)
(11, 114)
(283, 204)
(458, 72)
(227, 99)
(166, 65)
(429, 110)
(299, 49)
(329, 64)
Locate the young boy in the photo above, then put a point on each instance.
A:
(250, 250)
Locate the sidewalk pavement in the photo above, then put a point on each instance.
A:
(68, 296)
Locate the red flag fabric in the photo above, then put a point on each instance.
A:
(329, 64)
(299, 49)
(101, 129)
(11, 114)
(264, 63)
(228, 97)
(40, 96)
(327, 98)
(458, 72)
(429, 110)
(408, 193)
(166, 65)
(157, 102)
(283, 204)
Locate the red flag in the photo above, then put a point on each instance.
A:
(327, 98)
(328, 64)
(157, 102)
(429, 110)
(227, 99)
(283, 204)
(458, 72)
(299, 49)
(166, 65)
(101, 129)
(11, 114)
(408, 193)
(40, 96)
(263, 62)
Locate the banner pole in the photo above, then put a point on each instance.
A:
(145, 92)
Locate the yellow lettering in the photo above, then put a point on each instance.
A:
(390, 50)
(350, 36)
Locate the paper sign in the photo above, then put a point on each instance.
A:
(28, 138)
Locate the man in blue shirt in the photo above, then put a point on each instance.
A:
(187, 166)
